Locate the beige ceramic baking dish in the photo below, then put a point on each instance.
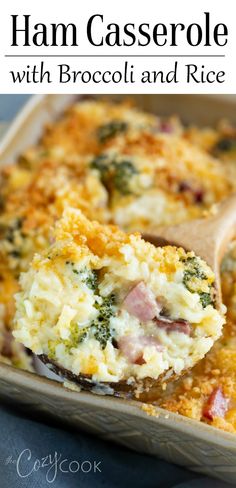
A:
(175, 438)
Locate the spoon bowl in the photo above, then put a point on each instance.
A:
(208, 238)
(143, 390)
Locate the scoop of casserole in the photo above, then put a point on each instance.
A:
(110, 307)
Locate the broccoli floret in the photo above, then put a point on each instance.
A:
(102, 164)
(206, 299)
(106, 309)
(77, 335)
(192, 274)
(101, 325)
(100, 328)
(192, 271)
(123, 173)
(90, 277)
(115, 174)
(15, 241)
(102, 334)
(92, 280)
(107, 131)
(226, 144)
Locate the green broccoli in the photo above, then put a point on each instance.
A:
(92, 280)
(77, 335)
(123, 173)
(192, 274)
(192, 270)
(101, 325)
(102, 164)
(206, 299)
(107, 131)
(226, 144)
(15, 239)
(115, 174)
(88, 276)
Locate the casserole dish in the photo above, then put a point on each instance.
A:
(165, 434)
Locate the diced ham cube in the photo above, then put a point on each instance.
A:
(197, 193)
(216, 405)
(163, 126)
(166, 127)
(179, 325)
(132, 347)
(141, 303)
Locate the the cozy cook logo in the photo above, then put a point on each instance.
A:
(52, 464)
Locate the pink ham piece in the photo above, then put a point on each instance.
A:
(141, 303)
(179, 325)
(216, 405)
(166, 127)
(132, 347)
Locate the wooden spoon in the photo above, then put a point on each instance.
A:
(208, 238)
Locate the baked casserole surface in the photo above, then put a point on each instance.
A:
(122, 166)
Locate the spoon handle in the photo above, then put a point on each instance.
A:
(223, 225)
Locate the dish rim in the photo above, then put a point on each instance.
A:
(53, 388)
